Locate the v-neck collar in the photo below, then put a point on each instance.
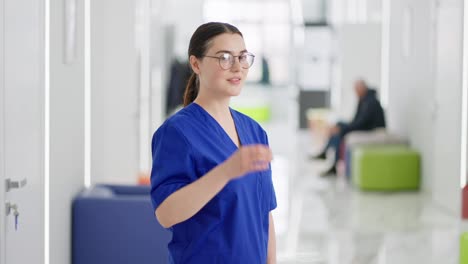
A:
(223, 132)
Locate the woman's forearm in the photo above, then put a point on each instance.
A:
(271, 258)
(186, 202)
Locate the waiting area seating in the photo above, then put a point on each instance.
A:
(116, 224)
(378, 160)
(386, 167)
(375, 137)
(464, 248)
(373, 160)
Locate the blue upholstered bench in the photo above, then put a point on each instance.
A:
(116, 224)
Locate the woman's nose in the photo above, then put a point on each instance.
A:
(236, 66)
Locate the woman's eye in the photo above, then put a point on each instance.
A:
(226, 57)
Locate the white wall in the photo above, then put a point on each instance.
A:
(346, 11)
(448, 100)
(66, 130)
(411, 81)
(118, 75)
(114, 92)
(358, 55)
(161, 45)
(186, 20)
(424, 102)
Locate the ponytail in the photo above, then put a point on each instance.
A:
(191, 90)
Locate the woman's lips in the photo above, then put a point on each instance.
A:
(234, 80)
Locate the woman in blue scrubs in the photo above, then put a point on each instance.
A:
(211, 179)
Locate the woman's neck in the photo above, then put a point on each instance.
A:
(219, 109)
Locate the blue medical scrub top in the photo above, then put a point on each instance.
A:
(233, 226)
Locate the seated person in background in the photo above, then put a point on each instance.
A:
(369, 115)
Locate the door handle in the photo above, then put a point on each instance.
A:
(10, 207)
(9, 184)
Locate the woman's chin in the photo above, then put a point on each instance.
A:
(237, 93)
(235, 90)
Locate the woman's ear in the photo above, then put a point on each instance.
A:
(195, 64)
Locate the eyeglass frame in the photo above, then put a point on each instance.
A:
(234, 60)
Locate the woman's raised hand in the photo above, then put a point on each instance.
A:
(247, 159)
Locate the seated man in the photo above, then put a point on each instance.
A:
(369, 115)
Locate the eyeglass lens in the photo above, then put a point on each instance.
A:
(227, 60)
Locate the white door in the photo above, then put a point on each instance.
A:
(447, 110)
(22, 130)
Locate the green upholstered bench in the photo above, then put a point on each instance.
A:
(385, 167)
(259, 113)
(464, 248)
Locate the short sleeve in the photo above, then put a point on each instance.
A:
(272, 203)
(173, 167)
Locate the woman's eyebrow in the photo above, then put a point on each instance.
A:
(230, 52)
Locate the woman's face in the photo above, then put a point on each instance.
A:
(214, 79)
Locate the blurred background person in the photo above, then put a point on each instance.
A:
(369, 115)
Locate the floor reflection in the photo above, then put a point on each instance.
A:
(326, 220)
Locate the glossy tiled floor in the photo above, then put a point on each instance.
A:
(326, 220)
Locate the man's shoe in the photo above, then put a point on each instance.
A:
(329, 172)
(321, 156)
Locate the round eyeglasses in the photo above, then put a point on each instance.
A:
(226, 60)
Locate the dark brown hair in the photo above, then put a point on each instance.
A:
(199, 44)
